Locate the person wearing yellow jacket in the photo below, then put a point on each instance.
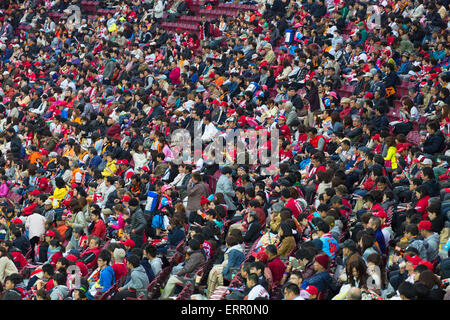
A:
(60, 192)
(111, 167)
(392, 151)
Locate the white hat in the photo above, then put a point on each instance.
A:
(427, 161)
(5, 73)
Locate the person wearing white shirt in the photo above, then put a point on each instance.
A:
(256, 290)
(35, 224)
(109, 183)
(210, 130)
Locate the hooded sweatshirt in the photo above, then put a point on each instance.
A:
(138, 279)
(432, 246)
(60, 292)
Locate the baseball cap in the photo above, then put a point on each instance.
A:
(126, 198)
(414, 260)
(50, 233)
(260, 255)
(427, 161)
(35, 193)
(165, 187)
(128, 242)
(123, 161)
(312, 290)
(425, 225)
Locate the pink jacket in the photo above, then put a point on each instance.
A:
(175, 76)
(4, 189)
(120, 223)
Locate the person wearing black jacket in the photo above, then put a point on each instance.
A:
(254, 228)
(16, 143)
(435, 142)
(296, 100)
(318, 9)
(391, 80)
(138, 222)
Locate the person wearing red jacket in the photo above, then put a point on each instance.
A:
(276, 266)
(89, 257)
(284, 128)
(97, 227)
(422, 203)
(290, 202)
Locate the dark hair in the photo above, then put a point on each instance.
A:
(306, 252)
(360, 265)
(272, 249)
(105, 255)
(292, 287)
(412, 228)
(408, 290)
(60, 278)
(429, 279)
(151, 250)
(134, 260)
(48, 268)
(253, 277)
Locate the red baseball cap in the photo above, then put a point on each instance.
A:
(129, 243)
(312, 290)
(425, 225)
(260, 255)
(50, 233)
(123, 161)
(17, 221)
(145, 168)
(126, 198)
(414, 260)
(35, 193)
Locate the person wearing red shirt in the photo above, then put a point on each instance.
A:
(290, 202)
(311, 185)
(284, 128)
(276, 266)
(422, 203)
(119, 266)
(97, 227)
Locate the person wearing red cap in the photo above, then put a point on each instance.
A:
(431, 240)
(129, 244)
(312, 291)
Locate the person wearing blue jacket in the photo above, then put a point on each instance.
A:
(107, 277)
(175, 234)
(329, 244)
(233, 257)
(321, 279)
